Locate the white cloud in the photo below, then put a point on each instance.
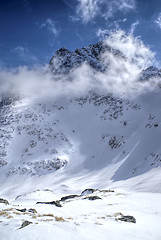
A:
(87, 10)
(104, 33)
(25, 54)
(133, 27)
(120, 78)
(120, 5)
(51, 26)
(132, 47)
(157, 21)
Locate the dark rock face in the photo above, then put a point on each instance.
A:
(64, 60)
(22, 210)
(68, 197)
(25, 224)
(7, 99)
(127, 219)
(4, 201)
(98, 57)
(88, 191)
(56, 203)
(107, 191)
(32, 210)
(93, 198)
(116, 142)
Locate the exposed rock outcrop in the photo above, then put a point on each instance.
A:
(4, 201)
(64, 60)
(25, 224)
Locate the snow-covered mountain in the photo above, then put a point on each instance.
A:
(50, 148)
(64, 60)
(150, 73)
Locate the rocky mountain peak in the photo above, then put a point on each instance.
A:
(149, 73)
(62, 51)
(64, 60)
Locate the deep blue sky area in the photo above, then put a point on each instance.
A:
(32, 30)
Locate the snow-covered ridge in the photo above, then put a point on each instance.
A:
(64, 60)
(150, 73)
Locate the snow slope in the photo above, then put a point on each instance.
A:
(84, 219)
(50, 148)
(84, 136)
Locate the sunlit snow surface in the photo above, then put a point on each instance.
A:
(84, 219)
(52, 149)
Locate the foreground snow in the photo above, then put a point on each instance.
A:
(80, 218)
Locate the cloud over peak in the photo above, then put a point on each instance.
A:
(132, 47)
(120, 77)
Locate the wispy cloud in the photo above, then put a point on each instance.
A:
(120, 5)
(24, 54)
(133, 27)
(51, 26)
(87, 10)
(69, 3)
(157, 21)
(102, 34)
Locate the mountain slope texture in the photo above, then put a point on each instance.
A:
(82, 166)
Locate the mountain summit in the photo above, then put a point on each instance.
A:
(64, 60)
(150, 73)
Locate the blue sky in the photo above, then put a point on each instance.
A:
(32, 30)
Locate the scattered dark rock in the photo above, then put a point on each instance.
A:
(56, 203)
(32, 210)
(4, 201)
(2, 163)
(88, 191)
(25, 224)
(116, 142)
(105, 191)
(22, 210)
(68, 197)
(93, 198)
(127, 219)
